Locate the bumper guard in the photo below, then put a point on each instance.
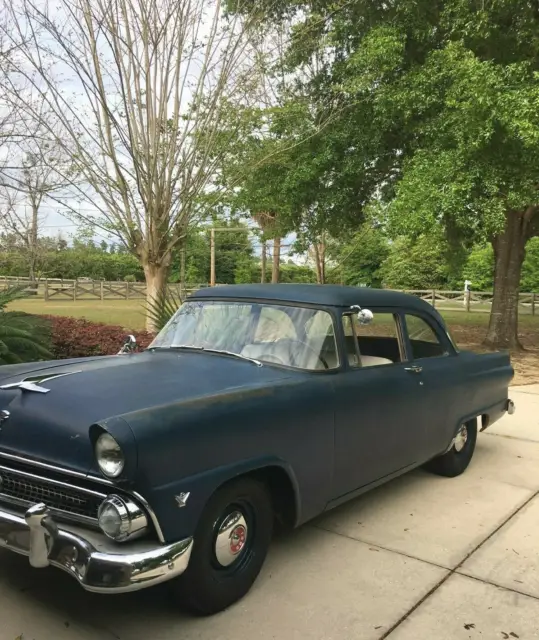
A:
(96, 562)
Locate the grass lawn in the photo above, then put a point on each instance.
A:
(125, 313)
(468, 329)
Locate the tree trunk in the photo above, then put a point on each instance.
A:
(275, 271)
(32, 246)
(156, 278)
(264, 260)
(509, 251)
(320, 259)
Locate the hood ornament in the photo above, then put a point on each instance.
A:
(129, 345)
(4, 415)
(25, 386)
(32, 383)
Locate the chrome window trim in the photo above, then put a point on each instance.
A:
(85, 476)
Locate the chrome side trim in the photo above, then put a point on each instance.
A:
(84, 476)
(151, 513)
(96, 564)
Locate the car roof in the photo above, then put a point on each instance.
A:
(316, 294)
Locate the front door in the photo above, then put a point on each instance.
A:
(379, 422)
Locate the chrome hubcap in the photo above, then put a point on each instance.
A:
(460, 439)
(231, 538)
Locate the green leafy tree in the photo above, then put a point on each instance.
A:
(440, 120)
(479, 268)
(415, 264)
(530, 269)
(358, 259)
(243, 272)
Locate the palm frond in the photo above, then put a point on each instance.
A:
(23, 337)
(161, 308)
(10, 294)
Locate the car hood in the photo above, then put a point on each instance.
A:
(54, 426)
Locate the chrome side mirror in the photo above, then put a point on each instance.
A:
(129, 345)
(364, 316)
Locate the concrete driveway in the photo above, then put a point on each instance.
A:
(422, 557)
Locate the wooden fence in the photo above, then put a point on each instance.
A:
(57, 289)
(469, 301)
(51, 289)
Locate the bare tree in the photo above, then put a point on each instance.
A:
(38, 170)
(141, 87)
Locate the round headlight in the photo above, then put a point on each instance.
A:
(121, 518)
(110, 457)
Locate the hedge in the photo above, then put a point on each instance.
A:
(80, 338)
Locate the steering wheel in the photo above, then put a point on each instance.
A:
(306, 346)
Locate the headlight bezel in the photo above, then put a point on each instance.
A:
(104, 443)
(133, 520)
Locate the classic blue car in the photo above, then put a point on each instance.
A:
(255, 404)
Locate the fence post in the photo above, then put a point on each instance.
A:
(46, 289)
(101, 291)
(434, 298)
(533, 304)
(74, 290)
(467, 296)
(127, 290)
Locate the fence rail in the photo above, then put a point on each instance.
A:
(471, 301)
(54, 289)
(57, 289)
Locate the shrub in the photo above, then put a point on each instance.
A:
(80, 338)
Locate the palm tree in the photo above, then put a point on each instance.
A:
(161, 308)
(22, 336)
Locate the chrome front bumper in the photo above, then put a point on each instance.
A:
(97, 563)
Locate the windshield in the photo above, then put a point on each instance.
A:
(292, 336)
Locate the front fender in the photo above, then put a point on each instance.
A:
(193, 492)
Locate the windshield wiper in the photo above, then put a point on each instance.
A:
(210, 350)
(231, 353)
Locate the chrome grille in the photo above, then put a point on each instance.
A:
(27, 489)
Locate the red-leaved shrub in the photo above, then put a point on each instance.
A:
(80, 338)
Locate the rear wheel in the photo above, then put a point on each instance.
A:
(230, 546)
(456, 460)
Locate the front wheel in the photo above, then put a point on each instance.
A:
(230, 545)
(456, 460)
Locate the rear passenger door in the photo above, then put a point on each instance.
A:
(378, 414)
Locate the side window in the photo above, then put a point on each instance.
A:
(423, 338)
(378, 342)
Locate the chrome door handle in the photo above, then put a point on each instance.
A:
(414, 369)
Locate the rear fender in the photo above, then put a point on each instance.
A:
(487, 415)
